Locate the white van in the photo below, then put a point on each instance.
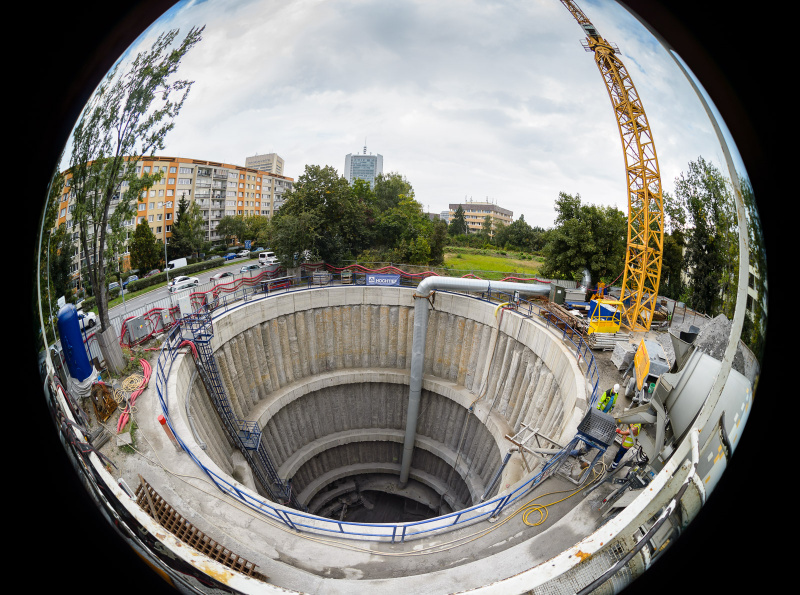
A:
(176, 264)
(266, 258)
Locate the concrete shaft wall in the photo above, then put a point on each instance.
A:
(327, 369)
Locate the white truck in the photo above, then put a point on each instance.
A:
(266, 258)
(176, 264)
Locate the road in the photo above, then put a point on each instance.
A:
(162, 293)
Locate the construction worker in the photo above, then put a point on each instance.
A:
(607, 400)
(628, 441)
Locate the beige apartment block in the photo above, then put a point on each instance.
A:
(476, 211)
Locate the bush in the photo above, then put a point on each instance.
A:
(89, 303)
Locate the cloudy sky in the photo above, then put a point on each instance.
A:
(464, 98)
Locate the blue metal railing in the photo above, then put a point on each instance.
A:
(300, 521)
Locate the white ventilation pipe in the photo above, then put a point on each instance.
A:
(423, 292)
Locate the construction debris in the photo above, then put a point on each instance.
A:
(623, 355)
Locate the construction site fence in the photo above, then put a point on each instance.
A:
(300, 521)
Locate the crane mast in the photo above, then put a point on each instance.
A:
(645, 243)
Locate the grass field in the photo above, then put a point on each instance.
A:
(469, 260)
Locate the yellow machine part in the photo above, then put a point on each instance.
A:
(641, 362)
(605, 323)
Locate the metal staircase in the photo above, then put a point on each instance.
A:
(244, 435)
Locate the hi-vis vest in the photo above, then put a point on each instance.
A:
(629, 440)
(603, 402)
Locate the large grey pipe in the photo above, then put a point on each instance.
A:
(422, 294)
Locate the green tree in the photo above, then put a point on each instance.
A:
(487, 227)
(458, 224)
(55, 260)
(389, 189)
(231, 227)
(711, 242)
(128, 117)
(517, 235)
(188, 230)
(146, 251)
(437, 242)
(259, 230)
(585, 236)
(332, 220)
(402, 224)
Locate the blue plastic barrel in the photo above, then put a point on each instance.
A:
(69, 329)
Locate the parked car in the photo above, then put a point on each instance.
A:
(129, 279)
(87, 320)
(188, 283)
(249, 267)
(257, 250)
(229, 256)
(243, 254)
(113, 286)
(151, 273)
(215, 257)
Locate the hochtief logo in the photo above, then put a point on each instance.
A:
(385, 280)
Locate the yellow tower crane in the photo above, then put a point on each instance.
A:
(645, 245)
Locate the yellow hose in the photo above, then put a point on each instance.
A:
(500, 306)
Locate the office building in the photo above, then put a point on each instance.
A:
(270, 162)
(363, 167)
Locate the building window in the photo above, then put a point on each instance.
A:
(172, 170)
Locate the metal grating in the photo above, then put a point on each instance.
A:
(154, 505)
(587, 571)
(598, 426)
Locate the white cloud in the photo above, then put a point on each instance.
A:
(480, 99)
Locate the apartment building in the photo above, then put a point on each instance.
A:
(476, 211)
(219, 189)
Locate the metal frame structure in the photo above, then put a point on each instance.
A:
(645, 242)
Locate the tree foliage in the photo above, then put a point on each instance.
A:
(585, 236)
(458, 224)
(711, 243)
(232, 227)
(188, 231)
(146, 251)
(128, 117)
(320, 215)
